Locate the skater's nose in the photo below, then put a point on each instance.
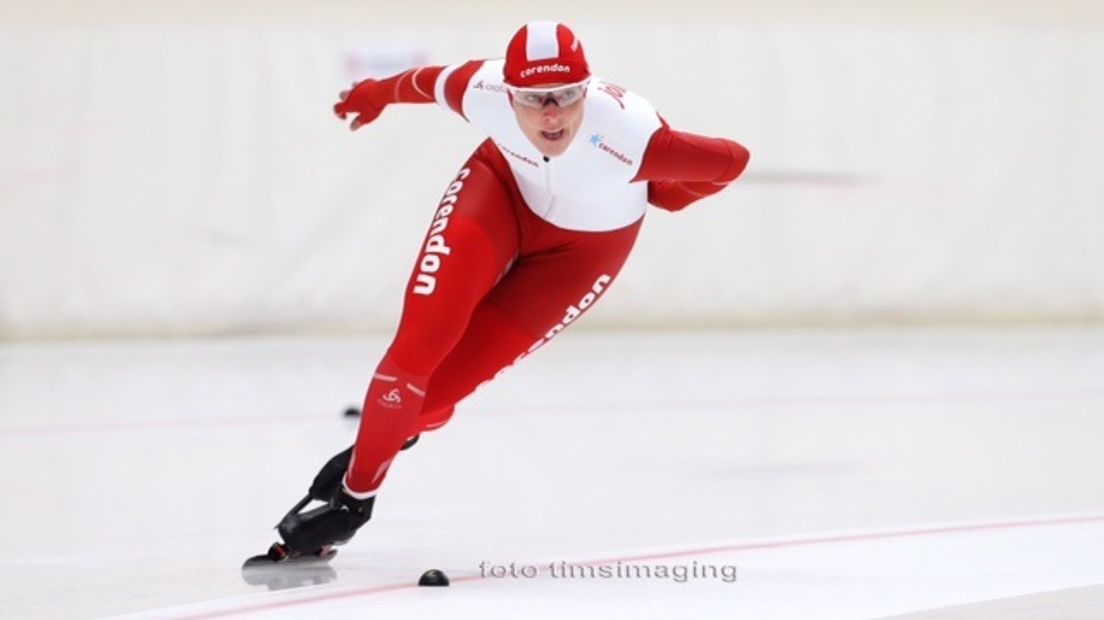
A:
(551, 112)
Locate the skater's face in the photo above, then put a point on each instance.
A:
(550, 117)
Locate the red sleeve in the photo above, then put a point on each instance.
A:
(412, 86)
(419, 86)
(457, 82)
(682, 168)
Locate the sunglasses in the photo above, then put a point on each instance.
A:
(538, 97)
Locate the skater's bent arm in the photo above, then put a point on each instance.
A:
(682, 167)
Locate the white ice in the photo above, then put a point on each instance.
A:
(844, 474)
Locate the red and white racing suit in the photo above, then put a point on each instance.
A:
(520, 245)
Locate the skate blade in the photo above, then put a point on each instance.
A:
(293, 571)
(279, 554)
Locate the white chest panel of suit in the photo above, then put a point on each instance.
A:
(587, 187)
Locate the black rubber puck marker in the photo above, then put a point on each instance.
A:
(433, 577)
(352, 412)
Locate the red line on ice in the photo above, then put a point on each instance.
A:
(824, 540)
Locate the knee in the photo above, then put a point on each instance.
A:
(422, 348)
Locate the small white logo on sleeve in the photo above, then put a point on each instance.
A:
(391, 400)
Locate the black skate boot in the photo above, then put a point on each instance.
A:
(311, 535)
(327, 483)
(315, 531)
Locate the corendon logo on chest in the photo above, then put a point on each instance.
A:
(599, 142)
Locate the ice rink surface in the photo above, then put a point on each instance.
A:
(840, 474)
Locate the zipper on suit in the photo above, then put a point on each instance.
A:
(548, 186)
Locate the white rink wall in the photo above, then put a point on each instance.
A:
(173, 168)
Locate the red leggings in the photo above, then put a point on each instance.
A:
(493, 282)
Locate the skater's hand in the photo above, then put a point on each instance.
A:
(362, 101)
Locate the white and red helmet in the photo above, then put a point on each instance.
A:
(544, 53)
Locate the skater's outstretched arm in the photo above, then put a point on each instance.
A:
(432, 84)
(682, 167)
(367, 99)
